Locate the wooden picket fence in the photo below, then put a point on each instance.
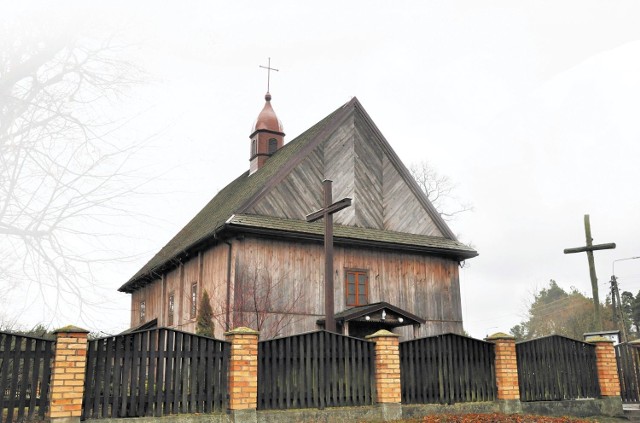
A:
(447, 369)
(317, 369)
(25, 369)
(554, 368)
(155, 372)
(161, 371)
(628, 359)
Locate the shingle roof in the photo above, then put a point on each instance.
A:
(230, 199)
(352, 234)
(228, 204)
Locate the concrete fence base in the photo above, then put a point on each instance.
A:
(605, 406)
(609, 406)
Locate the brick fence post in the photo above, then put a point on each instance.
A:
(506, 363)
(607, 367)
(387, 373)
(67, 375)
(243, 374)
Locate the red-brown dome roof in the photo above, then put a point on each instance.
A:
(267, 118)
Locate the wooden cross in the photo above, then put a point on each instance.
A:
(327, 212)
(589, 249)
(269, 69)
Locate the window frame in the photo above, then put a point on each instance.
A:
(171, 306)
(357, 294)
(142, 311)
(193, 311)
(272, 142)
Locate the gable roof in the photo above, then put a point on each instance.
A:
(225, 210)
(356, 313)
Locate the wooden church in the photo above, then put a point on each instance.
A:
(395, 261)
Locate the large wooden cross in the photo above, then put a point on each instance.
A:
(589, 249)
(326, 212)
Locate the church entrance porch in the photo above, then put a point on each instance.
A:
(367, 319)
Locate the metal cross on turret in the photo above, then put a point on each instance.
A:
(269, 69)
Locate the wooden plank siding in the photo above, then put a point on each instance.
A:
(339, 165)
(360, 169)
(402, 211)
(369, 180)
(212, 277)
(424, 285)
(421, 284)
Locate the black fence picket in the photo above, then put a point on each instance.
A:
(315, 370)
(155, 372)
(25, 371)
(447, 369)
(556, 368)
(628, 360)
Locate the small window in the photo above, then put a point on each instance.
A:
(143, 311)
(254, 151)
(273, 145)
(194, 299)
(171, 308)
(357, 287)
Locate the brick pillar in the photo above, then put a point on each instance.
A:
(607, 367)
(243, 373)
(506, 363)
(387, 366)
(67, 374)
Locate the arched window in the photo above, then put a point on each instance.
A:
(273, 145)
(253, 147)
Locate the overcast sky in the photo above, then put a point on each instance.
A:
(532, 108)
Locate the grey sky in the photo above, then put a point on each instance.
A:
(530, 107)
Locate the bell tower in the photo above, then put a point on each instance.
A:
(266, 136)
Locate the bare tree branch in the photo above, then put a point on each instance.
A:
(266, 302)
(61, 176)
(439, 190)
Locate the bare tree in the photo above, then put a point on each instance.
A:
(439, 190)
(265, 302)
(61, 175)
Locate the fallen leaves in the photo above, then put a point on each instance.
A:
(497, 418)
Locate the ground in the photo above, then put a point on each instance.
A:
(506, 418)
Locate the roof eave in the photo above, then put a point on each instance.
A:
(459, 254)
(144, 279)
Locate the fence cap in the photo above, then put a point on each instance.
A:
(500, 335)
(381, 333)
(70, 329)
(598, 339)
(242, 331)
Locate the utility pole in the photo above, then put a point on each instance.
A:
(618, 312)
(615, 294)
(589, 249)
